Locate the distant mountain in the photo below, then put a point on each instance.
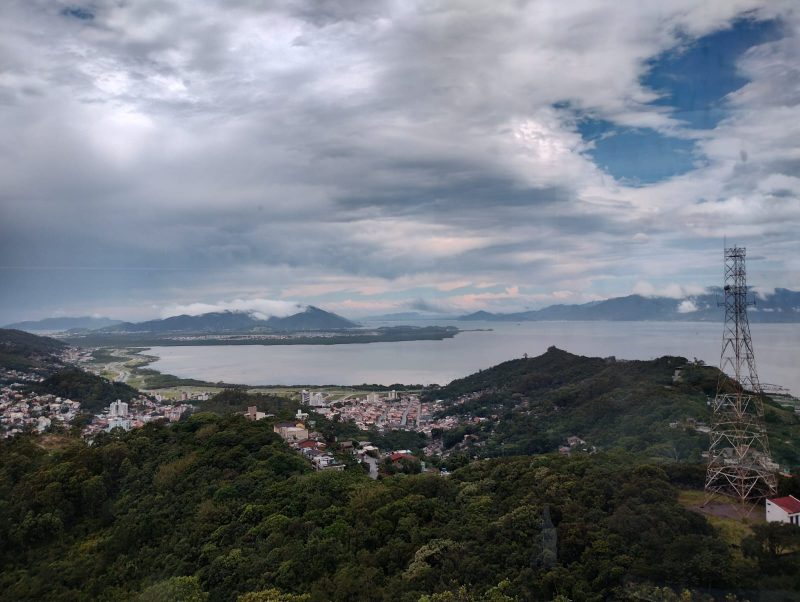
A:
(485, 315)
(211, 322)
(62, 324)
(312, 318)
(781, 306)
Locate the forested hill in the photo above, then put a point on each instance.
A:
(214, 507)
(40, 359)
(24, 351)
(94, 392)
(534, 404)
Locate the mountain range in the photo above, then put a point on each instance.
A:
(62, 324)
(312, 318)
(783, 305)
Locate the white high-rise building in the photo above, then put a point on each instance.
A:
(118, 409)
(305, 397)
(317, 400)
(392, 395)
(118, 422)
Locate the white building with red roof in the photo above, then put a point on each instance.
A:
(784, 510)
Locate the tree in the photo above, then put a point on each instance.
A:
(176, 589)
(272, 595)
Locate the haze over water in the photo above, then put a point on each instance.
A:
(777, 348)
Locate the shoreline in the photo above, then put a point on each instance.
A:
(351, 337)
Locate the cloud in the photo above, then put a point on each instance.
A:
(672, 290)
(427, 306)
(377, 154)
(260, 308)
(687, 306)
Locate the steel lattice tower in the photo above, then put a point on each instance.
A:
(739, 463)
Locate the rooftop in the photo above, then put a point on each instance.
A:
(789, 503)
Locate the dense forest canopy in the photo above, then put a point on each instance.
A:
(654, 407)
(217, 508)
(94, 392)
(24, 351)
(224, 505)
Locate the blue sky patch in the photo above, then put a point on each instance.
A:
(637, 155)
(695, 79)
(78, 12)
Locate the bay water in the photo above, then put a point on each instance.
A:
(777, 349)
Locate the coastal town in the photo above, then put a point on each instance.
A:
(25, 411)
(386, 411)
(25, 408)
(374, 412)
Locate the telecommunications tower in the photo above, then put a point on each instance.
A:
(739, 464)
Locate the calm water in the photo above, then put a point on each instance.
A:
(777, 348)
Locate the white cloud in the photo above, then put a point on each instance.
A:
(687, 306)
(672, 290)
(261, 308)
(378, 150)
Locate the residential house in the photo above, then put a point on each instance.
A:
(291, 431)
(784, 510)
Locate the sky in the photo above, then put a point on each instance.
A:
(164, 156)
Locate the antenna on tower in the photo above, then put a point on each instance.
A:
(739, 464)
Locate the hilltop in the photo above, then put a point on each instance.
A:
(656, 408)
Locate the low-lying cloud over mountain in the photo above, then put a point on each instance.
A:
(260, 308)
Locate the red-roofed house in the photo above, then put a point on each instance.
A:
(397, 456)
(784, 510)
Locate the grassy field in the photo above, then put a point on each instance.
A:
(174, 393)
(731, 519)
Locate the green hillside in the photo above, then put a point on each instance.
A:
(94, 392)
(24, 351)
(215, 507)
(237, 399)
(39, 356)
(534, 404)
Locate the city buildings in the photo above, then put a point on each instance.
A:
(291, 431)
